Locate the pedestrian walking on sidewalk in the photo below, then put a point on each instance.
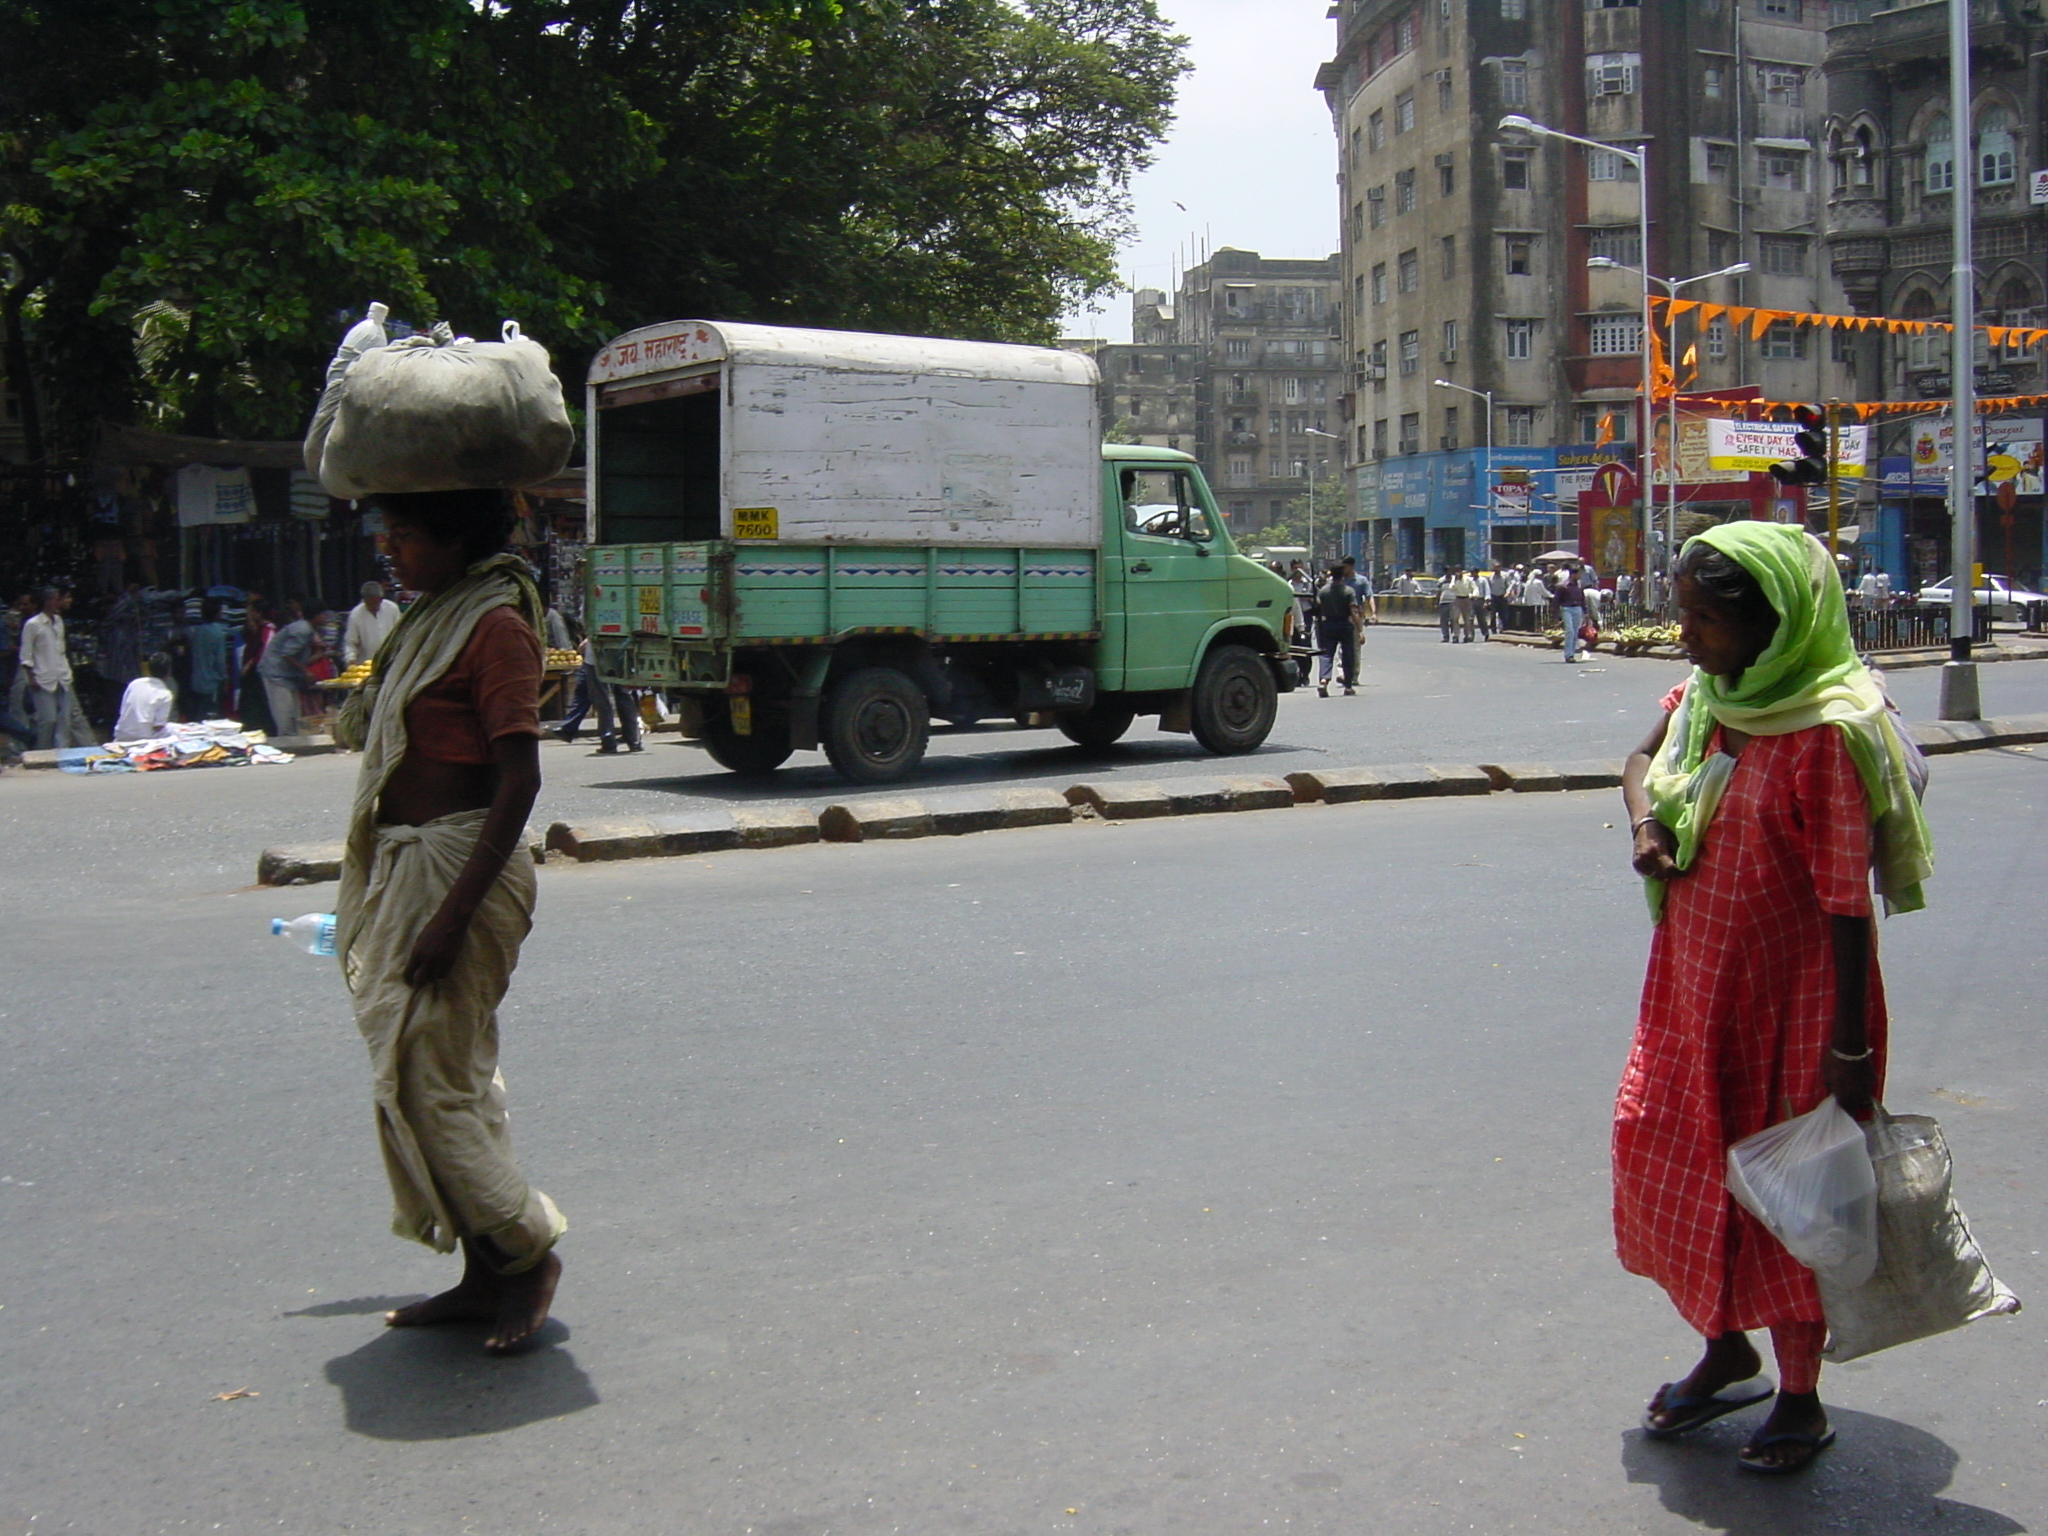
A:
(1773, 793)
(437, 895)
(1337, 619)
(1464, 601)
(1446, 607)
(46, 658)
(1570, 597)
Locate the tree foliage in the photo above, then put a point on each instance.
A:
(194, 193)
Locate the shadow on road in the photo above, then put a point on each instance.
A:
(355, 1306)
(1881, 1478)
(438, 1384)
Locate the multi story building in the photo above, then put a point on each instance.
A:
(1897, 161)
(1494, 289)
(1240, 367)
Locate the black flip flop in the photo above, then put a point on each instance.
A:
(1814, 1444)
(1695, 1411)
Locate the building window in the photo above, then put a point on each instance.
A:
(1450, 341)
(1411, 351)
(1404, 192)
(1615, 335)
(1610, 5)
(1358, 294)
(1518, 339)
(1298, 468)
(1717, 339)
(1410, 33)
(1994, 147)
(1241, 513)
(1518, 426)
(1238, 347)
(1290, 391)
(1842, 346)
(1273, 423)
(1376, 130)
(1587, 418)
(1404, 112)
(1379, 438)
(1710, 82)
(1514, 10)
(1606, 165)
(1518, 254)
(1447, 174)
(1613, 74)
(1409, 276)
(1779, 10)
(1411, 432)
(1784, 342)
(1443, 90)
(1240, 466)
(1514, 83)
(1781, 85)
(1376, 207)
(1784, 256)
(1617, 242)
(1720, 164)
(1272, 466)
(1447, 256)
(1724, 249)
(1784, 170)
(1514, 170)
(1379, 282)
(1941, 154)
(1450, 441)
(1357, 145)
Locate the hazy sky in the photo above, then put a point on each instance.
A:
(1250, 155)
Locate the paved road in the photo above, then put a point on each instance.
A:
(1422, 701)
(1213, 1176)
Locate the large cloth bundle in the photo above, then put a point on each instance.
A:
(437, 412)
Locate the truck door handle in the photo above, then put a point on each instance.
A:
(1142, 568)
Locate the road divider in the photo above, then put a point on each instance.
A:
(953, 813)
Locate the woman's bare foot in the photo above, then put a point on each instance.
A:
(474, 1300)
(1728, 1359)
(522, 1304)
(1795, 1433)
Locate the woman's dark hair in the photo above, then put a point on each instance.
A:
(1730, 583)
(480, 521)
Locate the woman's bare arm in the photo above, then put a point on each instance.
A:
(1654, 846)
(517, 761)
(1853, 1083)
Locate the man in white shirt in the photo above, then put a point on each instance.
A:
(48, 664)
(368, 623)
(1869, 589)
(146, 703)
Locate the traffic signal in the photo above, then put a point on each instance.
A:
(1811, 467)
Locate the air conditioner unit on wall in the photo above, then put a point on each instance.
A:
(1448, 355)
(1375, 373)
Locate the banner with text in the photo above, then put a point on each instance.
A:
(1755, 446)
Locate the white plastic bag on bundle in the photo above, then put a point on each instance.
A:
(437, 413)
(1932, 1275)
(1810, 1182)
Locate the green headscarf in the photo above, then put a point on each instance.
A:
(1808, 675)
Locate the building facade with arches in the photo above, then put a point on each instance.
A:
(1897, 161)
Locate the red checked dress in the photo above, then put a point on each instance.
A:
(1737, 1014)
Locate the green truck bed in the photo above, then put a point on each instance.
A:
(723, 594)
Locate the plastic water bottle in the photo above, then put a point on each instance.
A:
(314, 933)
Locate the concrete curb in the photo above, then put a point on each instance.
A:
(953, 813)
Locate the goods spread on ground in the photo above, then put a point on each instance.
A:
(205, 744)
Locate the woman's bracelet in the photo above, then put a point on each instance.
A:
(1842, 1055)
(1640, 822)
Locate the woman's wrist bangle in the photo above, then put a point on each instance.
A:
(1842, 1055)
(1641, 822)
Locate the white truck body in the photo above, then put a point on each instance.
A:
(839, 437)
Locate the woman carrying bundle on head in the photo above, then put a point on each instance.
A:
(1772, 795)
(437, 895)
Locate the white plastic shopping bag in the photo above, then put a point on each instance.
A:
(1809, 1180)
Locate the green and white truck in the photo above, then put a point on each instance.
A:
(826, 539)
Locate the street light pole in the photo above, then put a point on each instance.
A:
(1959, 676)
(1638, 157)
(1485, 507)
(1333, 437)
(1670, 285)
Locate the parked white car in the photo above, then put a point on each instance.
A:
(2006, 599)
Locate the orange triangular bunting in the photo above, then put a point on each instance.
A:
(1761, 320)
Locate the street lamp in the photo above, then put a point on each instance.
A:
(1486, 507)
(1670, 285)
(1333, 437)
(1639, 157)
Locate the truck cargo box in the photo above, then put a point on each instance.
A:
(772, 436)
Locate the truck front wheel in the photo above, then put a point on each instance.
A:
(1234, 702)
(875, 725)
(761, 751)
(1098, 726)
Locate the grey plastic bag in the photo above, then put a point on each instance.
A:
(437, 413)
(1931, 1275)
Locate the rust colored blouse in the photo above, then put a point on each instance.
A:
(492, 690)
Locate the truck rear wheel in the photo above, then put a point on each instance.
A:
(875, 725)
(759, 752)
(1234, 702)
(1099, 725)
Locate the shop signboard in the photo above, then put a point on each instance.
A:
(2009, 451)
